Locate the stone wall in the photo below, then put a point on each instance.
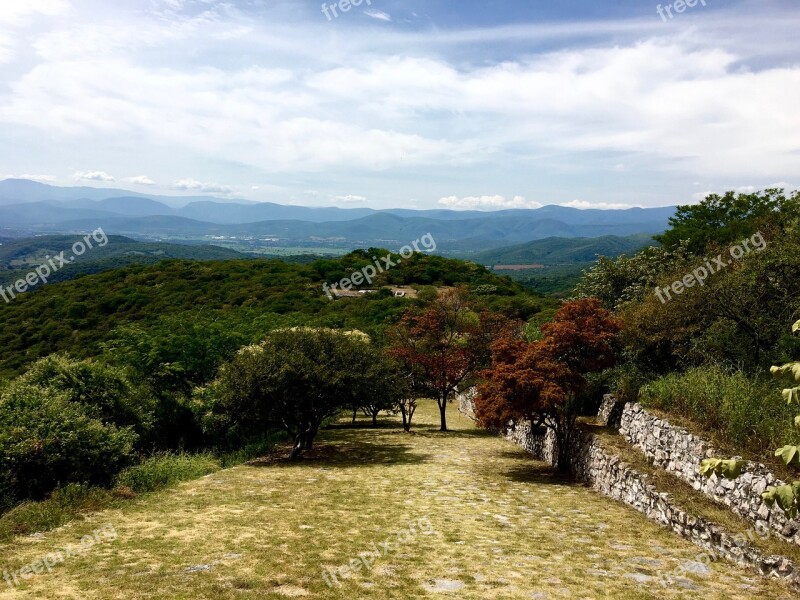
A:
(607, 474)
(679, 452)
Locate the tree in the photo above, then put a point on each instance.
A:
(444, 345)
(48, 439)
(295, 380)
(787, 496)
(537, 382)
(727, 219)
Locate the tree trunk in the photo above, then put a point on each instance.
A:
(297, 449)
(443, 415)
(355, 414)
(563, 436)
(375, 418)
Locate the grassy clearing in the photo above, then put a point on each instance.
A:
(152, 474)
(501, 526)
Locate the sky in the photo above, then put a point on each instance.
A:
(404, 103)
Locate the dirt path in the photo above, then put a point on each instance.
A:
(481, 520)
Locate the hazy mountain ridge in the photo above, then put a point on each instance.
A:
(563, 251)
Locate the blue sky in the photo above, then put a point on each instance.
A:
(403, 103)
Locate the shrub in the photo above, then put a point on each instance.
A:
(47, 441)
(747, 412)
(61, 507)
(163, 470)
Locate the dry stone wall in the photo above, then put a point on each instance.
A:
(679, 452)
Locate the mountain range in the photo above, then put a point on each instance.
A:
(28, 207)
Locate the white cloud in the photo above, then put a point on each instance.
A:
(350, 199)
(487, 203)
(92, 176)
(379, 15)
(30, 177)
(192, 185)
(20, 12)
(584, 205)
(140, 180)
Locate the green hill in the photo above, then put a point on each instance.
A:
(18, 257)
(249, 296)
(564, 251)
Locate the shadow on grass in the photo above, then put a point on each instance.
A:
(345, 452)
(541, 474)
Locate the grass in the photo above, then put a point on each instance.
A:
(500, 526)
(685, 496)
(165, 470)
(152, 474)
(741, 416)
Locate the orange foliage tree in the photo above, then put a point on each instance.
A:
(444, 345)
(537, 382)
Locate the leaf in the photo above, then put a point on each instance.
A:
(792, 395)
(785, 496)
(789, 454)
(796, 327)
(797, 422)
(790, 372)
(729, 469)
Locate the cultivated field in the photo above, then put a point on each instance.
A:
(488, 523)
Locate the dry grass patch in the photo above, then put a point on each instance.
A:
(502, 526)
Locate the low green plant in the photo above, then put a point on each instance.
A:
(787, 496)
(163, 470)
(744, 411)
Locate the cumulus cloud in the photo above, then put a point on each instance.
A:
(92, 176)
(20, 13)
(31, 177)
(662, 104)
(192, 185)
(140, 180)
(350, 199)
(584, 205)
(487, 202)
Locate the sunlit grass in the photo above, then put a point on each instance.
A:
(503, 526)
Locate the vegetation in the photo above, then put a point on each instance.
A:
(725, 402)
(443, 346)
(295, 380)
(538, 381)
(270, 529)
(786, 496)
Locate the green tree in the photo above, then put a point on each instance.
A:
(726, 219)
(47, 440)
(295, 380)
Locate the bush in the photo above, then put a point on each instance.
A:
(747, 412)
(47, 441)
(164, 470)
(104, 389)
(61, 507)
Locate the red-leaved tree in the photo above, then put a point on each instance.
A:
(537, 382)
(444, 345)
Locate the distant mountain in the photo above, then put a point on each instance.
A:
(564, 251)
(34, 207)
(19, 191)
(18, 257)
